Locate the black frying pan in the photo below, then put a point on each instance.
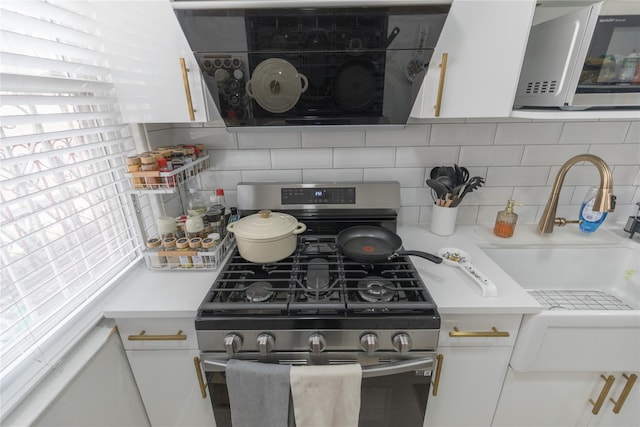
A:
(375, 244)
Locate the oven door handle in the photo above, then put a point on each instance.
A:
(384, 370)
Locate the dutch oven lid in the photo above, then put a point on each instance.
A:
(276, 85)
(265, 225)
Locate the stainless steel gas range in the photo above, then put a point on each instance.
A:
(319, 307)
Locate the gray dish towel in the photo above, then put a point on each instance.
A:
(258, 393)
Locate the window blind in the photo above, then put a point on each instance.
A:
(66, 227)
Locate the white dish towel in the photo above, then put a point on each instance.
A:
(326, 395)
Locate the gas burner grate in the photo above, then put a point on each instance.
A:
(317, 280)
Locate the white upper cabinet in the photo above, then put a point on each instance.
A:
(146, 48)
(485, 43)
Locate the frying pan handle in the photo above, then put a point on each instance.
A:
(433, 258)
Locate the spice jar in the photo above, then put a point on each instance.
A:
(209, 245)
(195, 244)
(155, 260)
(133, 165)
(149, 164)
(169, 244)
(194, 227)
(183, 253)
(167, 226)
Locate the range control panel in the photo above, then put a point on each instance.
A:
(318, 195)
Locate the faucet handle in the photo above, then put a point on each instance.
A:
(561, 222)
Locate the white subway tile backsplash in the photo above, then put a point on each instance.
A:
(212, 138)
(618, 154)
(302, 159)
(633, 134)
(517, 175)
(411, 135)
(274, 175)
(551, 155)
(415, 196)
(407, 177)
(528, 133)
(269, 139)
(332, 175)
(504, 155)
(626, 175)
(463, 134)
(220, 179)
(363, 157)
(540, 195)
(324, 138)
(594, 132)
(409, 215)
(488, 196)
(240, 159)
(426, 156)
(519, 159)
(577, 174)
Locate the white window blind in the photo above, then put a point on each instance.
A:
(65, 226)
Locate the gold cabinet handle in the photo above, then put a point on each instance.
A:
(203, 385)
(187, 90)
(436, 381)
(608, 382)
(142, 336)
(443, 72)
(631, 380)
(494, 332)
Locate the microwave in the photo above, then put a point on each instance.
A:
(588, 58)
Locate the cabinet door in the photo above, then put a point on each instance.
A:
(469, 386)
(562, 399)
(169, 387)
(144, 45)
(485, 43)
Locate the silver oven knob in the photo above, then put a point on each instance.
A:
(402, 343)
(265, 343)
(232, 343)
(369, 343)
(317, 343)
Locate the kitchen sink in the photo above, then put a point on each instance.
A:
(591, 306)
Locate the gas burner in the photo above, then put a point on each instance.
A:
(376, 289)
(259, 292)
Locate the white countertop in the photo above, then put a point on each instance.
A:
(145, 293)
(452, 290)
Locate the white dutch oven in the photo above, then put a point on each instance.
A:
(267, 236)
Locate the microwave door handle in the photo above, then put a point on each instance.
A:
(367, 371)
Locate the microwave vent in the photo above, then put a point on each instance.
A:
(541, 87)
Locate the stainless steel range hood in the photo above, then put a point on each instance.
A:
(331, 63)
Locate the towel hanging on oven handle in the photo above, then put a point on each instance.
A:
(382, 370)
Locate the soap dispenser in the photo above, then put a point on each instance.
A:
(506, 220)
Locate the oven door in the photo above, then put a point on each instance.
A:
(394, 387)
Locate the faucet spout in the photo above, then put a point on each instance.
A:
(605, 200)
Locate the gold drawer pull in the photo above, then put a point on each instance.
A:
(489, 334)
(143, 337)
(631, 380)
(608, 382)
(443, 72)
(187, 90)
(203, 385)
(436, 381)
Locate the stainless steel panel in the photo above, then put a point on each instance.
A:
(369, 195)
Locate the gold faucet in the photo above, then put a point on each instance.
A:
(605, 200)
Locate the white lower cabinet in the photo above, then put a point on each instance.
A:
(567, 399)
(473, 358)
(164, 358)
